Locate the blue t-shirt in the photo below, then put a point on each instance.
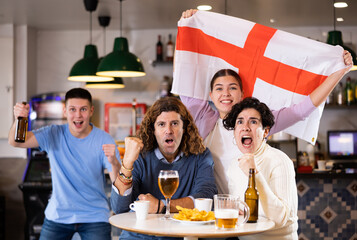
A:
(77, 170)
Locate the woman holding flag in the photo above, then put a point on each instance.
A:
(226, 90)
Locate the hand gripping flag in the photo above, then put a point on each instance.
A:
(278, 68)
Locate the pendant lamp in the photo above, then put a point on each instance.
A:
(118, 82)
(85, 69)
(121, 62)
(335, 38)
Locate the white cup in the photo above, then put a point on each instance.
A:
(321, 164)
(141, 209)
(203, 204)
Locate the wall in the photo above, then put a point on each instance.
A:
(6, 69)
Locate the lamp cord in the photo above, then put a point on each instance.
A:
(120, 14)
(225, 7)
(105, 40)
(90, 27)
(334, 15)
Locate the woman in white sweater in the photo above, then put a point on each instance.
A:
(251, 121)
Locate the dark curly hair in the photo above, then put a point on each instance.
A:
(267, 116)
(191, 142)
(226, 72)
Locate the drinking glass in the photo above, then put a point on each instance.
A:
(226, 211)
(168, 184)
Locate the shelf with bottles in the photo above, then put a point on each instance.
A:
(164, 52)
(340, 107)
(155, 63)
(278, 142)
(343, 96)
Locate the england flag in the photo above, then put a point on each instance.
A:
(278, 68)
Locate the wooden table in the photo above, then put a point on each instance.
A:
(153, 225)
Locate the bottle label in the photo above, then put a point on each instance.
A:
(159, 53)
(170, 51)
(253, 208)
(349, 96)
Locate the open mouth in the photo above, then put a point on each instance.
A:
(247, 141)
(78, 124)
(169, 141)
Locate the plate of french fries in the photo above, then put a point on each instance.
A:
(193, 216)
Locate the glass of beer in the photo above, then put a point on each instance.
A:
(226, 211)
(168, 184)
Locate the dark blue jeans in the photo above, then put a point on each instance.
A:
(88, 231)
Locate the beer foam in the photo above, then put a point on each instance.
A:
(226, 213)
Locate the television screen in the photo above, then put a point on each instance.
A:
(342, 144)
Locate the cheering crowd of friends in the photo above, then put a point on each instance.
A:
(211, 148)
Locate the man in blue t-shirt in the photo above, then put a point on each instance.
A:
(168, 140)
(78, 153)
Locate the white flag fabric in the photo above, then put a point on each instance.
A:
(278, 68)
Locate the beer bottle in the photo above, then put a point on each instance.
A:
(349, 92)
(251, 197)
(21, 128)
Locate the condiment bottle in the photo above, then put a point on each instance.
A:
(251, 197)
(21, 128)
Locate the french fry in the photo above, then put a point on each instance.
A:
(186, 214)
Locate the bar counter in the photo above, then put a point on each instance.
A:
(324, 175)
(327, 205)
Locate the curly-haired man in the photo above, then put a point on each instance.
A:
(168, 140)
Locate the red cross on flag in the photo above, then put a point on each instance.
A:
(278, 68)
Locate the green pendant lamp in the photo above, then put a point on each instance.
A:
(85, 69)
(335, 38)
(121, 62)
(118, 82)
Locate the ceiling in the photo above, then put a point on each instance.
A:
(151, 14)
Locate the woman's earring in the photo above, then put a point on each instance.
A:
(234, 141)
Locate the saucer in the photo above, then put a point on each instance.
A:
(193, 222)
